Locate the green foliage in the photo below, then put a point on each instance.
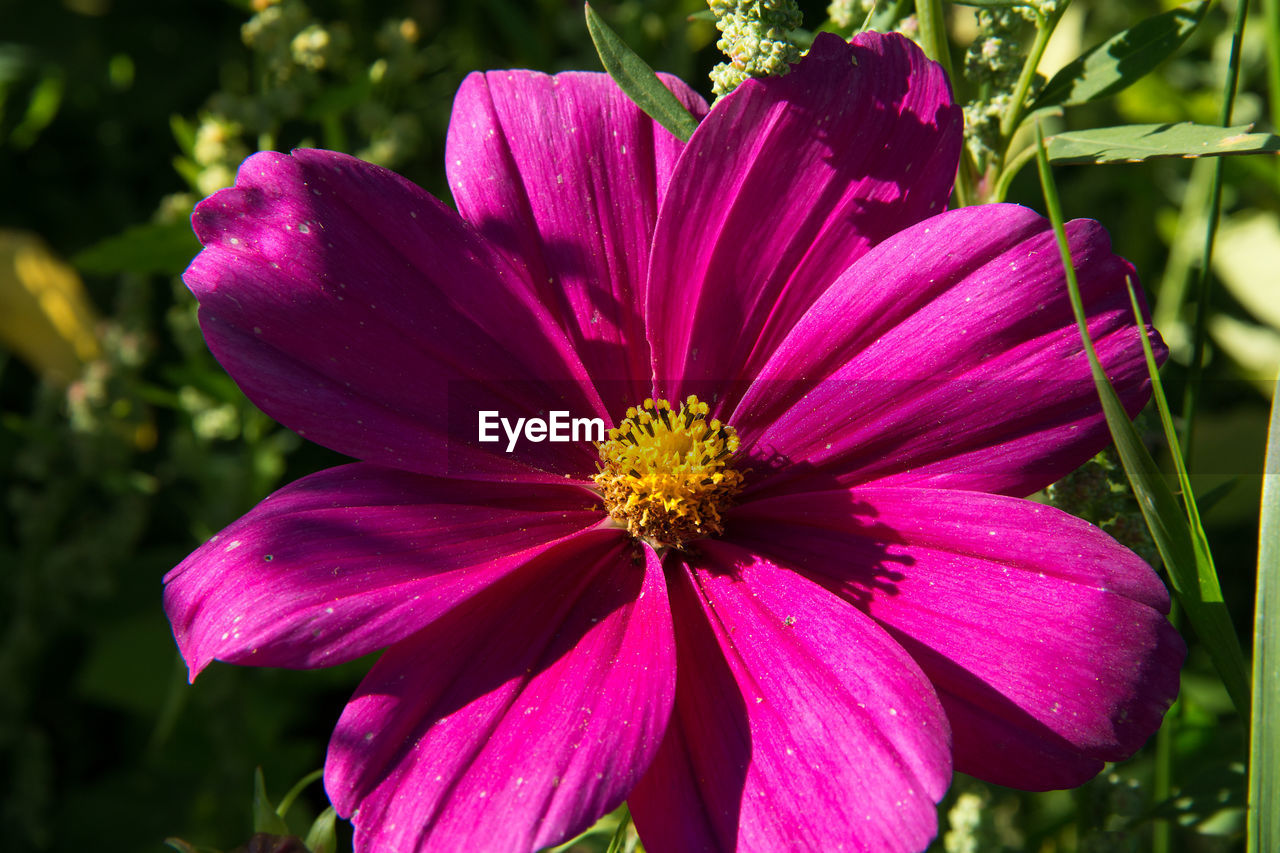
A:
(156, 248)
(265, 818)
(113, 121)
(1264, 741)
(1122, 60)
(1180, 538)
(634, 76)
(1134, 143)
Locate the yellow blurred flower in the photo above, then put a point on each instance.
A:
(45, 316)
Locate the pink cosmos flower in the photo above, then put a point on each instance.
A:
(771, 615)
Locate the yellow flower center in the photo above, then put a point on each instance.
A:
(665, 475)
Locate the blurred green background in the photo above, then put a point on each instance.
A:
(123, 444)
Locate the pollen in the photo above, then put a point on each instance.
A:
(666, 475)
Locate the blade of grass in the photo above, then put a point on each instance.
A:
(1208, 575)
(1264, 739)
(634, 76)
(1182, 546)
(1200, 328)
(618, 843)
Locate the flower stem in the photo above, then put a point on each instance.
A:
(1271, 13)
(933, 33)
(1199, 330)
(1162, 781)
(1018, 105)
(1010, 171)
(933, 36)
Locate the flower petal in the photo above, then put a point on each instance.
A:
(518, 718)
(785, 183)
(948, 356)
(353, 559)
(565, 174)
(799, 723)
(360, 312)
(1044, 637)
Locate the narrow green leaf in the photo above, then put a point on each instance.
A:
(1264, 739)
(184, 133)
(265, 818)
(1123, 59)
(46, 99)
(1184, 555)
(1214, 496)
(1224, 642)
(322, 838)
(634, 76)
(1133, 143)
(619, 840)
(164, 249)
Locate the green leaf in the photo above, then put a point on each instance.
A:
(1133, 143)
(1264, 739)
(321, 838)
(1179, 537)
(1214, 496)
(619, 840)
(634, 76)
(265, 818)
(164, 249)
(1211, 619)
(1123, 59)
(46, 99)
(184, 133)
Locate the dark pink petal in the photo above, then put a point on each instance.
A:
(786, 182)
(353, 559)
(360, 312)
(1045, 638)
(518, 718)
(948, 356)
(799, 723)
(565, 174)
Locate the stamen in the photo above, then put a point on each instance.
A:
(666, 475)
